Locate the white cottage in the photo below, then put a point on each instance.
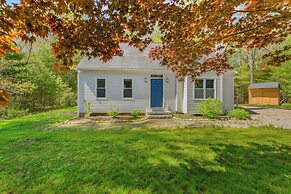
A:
(133, 81)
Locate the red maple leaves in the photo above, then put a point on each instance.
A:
(190, 31)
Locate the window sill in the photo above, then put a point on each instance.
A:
(128, 99)
(202, 99)
(101, 99)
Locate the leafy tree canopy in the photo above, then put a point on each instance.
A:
(266, 68)
(33, 81)
(194, 33)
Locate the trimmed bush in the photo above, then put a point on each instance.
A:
(286, 105)
(211, 108)
(240, 114)
(113, 113)
(135, 113)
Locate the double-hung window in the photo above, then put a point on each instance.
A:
(101, 88)
(204, 88)
(127, 88)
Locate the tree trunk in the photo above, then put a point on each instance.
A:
(252, 60)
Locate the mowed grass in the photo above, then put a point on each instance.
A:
(199, 160)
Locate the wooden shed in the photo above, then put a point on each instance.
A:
(264, 93)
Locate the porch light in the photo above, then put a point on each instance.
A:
(167, 80)
(146, 80)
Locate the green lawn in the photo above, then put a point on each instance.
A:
(199, 160)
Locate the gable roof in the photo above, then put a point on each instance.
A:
(264, 85)
(131, 59)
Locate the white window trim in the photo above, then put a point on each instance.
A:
(98, 98)
(204, 88)
(132, 86)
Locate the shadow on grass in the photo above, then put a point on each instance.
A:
(142, 162)
(37, 121)
(252, 110)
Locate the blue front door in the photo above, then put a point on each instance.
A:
(156, 92)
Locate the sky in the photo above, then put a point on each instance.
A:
(12, 1)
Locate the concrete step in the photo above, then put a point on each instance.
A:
(157, 109)
(158, 113)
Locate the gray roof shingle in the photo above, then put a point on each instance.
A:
(264, 85)
(132, 59)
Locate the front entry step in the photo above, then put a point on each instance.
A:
(158, 113)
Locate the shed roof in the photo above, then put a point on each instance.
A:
(264, 85)
(132, 59)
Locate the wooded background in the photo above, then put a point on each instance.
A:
(42, 41)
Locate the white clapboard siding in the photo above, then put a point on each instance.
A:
(224, 91)
(114, 86)
(178, 96)
(228, 91)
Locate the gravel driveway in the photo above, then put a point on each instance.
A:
(271, 116)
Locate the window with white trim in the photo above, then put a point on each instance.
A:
(101, 88)
(204, 88)
(127, 88)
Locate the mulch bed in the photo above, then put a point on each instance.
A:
(120, 118)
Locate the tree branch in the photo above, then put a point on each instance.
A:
(282, 13)
(244, 31)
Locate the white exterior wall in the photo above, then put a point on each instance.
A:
(192, 105)
(179, 96)
(114, 86)
(228, 91)
(224, 91)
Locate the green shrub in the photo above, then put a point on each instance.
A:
(135, 113)
(286, 105)
(12, 113)
(15, 113)
(87, 108)
(68, 99)
(210, 108)
(113, 113)
(239, 114)
(3, 113)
